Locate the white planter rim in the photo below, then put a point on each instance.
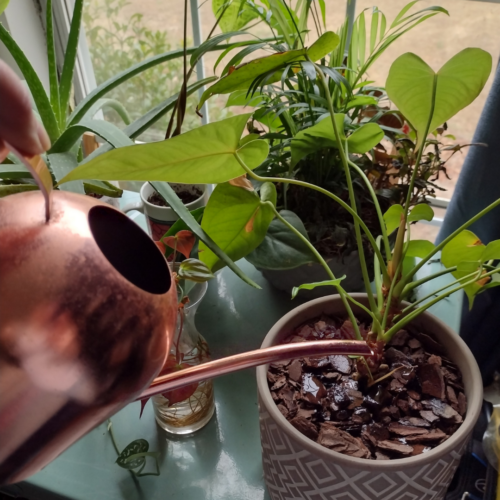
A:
(472, 387)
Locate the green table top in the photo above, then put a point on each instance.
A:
(223, 460)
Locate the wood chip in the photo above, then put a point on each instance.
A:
(432, 435)
(396, 447)
(432, 380)
(462, 403)
(295, 370)
(306, 427)
(406, 430)
(429, 416)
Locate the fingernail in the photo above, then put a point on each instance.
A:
(43, 137)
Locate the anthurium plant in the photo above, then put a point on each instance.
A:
(216, 153)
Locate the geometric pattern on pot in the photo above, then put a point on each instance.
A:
(297, 468)
(293, 473)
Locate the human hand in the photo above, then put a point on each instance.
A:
(18, 125)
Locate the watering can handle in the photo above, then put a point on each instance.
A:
(254, 358)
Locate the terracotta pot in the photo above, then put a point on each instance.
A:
(296, 467)
(286, 279)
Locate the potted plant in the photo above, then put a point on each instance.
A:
(426, 99)
(66, 123)
(292, 109)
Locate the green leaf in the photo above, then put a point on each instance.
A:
(491, 252)
(236, 16)
(393, 217)
(281, 248)
(70, 58)
(51, 56)
(14, 171)
(361, 100)
(240, 98)
(466, 246)
(237, 220)
(3, 5)
(419, 248)
(111, 104)
(7, 190)
(101, 90)
(136, 128)
(362, 38)
(467, 267)
(180, 209)
(204, 155)
(106, 130)
(35, 85)
(321, 136)
(103, 188)
(414, 87)
(62, 164)
(268, 192)
(324, 45)
(311, 286)
(244, 75)
(422, 211)
(403, 11)
(374, 30)
(194, 270)
(126, 458)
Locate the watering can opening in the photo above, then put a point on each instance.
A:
(129, 250)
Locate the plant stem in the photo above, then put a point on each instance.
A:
(341, 202)
(414, 284)
(441, 245)
(350, 187)
(322, 261)
(380, 216)
(378, 282)
(396, 327)
(456, 282)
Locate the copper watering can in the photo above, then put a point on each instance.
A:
(87, 314)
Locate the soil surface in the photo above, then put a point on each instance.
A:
(416, 402)
(185, 196)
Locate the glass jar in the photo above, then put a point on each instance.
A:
(188, 409)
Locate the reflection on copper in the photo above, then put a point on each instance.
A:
(254, 358)
(80, 334)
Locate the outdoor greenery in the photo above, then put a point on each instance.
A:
(116, 43)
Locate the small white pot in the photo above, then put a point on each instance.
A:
(296, 467)
(160, 219)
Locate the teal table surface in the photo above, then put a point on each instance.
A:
(223, 460)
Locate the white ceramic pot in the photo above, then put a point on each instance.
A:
(161, 219)
(296, 467)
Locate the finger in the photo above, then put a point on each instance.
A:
(3, 151)
(18, 125)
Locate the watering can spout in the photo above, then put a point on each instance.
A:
(250, 359)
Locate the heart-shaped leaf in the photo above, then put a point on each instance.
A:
(138, 446)
(422, 211)
(242, 77)
(418, 91)
(321, 136)
(182, 242)
(311, 286)
(204, 155)
(281, 248)
(419, 248)
(392, 217)
(237, 220)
